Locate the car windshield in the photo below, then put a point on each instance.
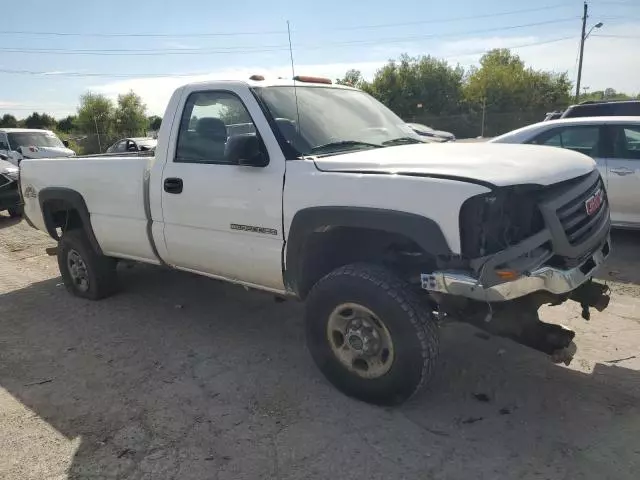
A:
(34, 139)
(333, 120)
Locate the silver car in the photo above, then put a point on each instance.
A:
(613, 142)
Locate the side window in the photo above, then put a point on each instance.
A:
(626, 142)
(582, 139)
(4, 144)
(120, 146)
(209, 121)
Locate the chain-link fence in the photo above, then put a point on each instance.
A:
(475, 124)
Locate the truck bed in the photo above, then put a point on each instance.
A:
(113, 188)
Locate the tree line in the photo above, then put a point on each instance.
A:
(498, 95)
(97, 124)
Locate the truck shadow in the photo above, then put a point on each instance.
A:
(183, 377)
(6, 221)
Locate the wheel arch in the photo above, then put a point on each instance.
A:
(422, 231)
(56, 200)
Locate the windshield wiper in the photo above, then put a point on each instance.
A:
(401, 141)
(337, 146)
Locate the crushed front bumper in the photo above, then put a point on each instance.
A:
(545, 278)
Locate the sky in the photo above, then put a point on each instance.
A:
(53, 52)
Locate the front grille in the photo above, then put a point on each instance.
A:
(4, 181)
(578, 225)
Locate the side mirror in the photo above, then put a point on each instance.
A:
(245, 150)
(65, 143)
(3, 157)
(132, 148)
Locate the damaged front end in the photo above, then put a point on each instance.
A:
(524, 247)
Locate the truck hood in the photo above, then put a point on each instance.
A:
(496, 164)
(46, 152)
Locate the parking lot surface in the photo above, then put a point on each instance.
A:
(181, 377)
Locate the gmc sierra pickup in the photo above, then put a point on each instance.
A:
(319, 192)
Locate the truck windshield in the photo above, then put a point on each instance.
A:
(33, 139)
(333, 120)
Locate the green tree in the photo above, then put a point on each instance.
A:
(415, 85)
(155, 122)
(606, 94)
(95, 118)
(67, 124)
(8, 121)
(504, 84)
(37, 120)
(353, 78)
(131, 115)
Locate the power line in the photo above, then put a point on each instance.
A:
(199, 74)
(275, 32)
(268, 48)
(453, 19)
(604, 35)
(621, 4)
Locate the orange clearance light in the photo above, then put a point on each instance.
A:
(256, 78)
(507, 274)
(307, 79)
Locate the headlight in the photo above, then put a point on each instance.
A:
(12, 173)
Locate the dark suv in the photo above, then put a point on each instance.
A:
(613, 108)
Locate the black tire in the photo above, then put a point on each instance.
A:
(15, 212)
(411, 327)
(100, 271)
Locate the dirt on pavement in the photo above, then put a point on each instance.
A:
(181, 377)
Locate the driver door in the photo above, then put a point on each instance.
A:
(220, 218)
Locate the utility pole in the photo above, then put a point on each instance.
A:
(484, 109)
(97, 133)
(582, 39)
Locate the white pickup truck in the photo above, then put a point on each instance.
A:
(319, 192)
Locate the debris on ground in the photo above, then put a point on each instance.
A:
(471, 420)
(40, 382)
(482, 397)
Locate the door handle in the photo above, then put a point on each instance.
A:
(621, 171)
(173, 185)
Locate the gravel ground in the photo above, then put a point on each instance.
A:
(181, 377)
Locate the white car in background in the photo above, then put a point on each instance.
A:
(614, 144)
(432, 134)
(20, 143)
(133, 144)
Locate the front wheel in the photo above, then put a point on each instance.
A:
(85, 272)
(369, 334)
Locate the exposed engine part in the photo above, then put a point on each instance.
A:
(492, 222)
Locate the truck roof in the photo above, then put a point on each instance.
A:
(587, 120)
(272, 82)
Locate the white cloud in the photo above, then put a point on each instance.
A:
(608, 62)
(155, 92)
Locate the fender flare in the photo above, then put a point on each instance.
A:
(424, 231)
(76, 202)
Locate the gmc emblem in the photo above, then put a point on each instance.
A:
(593, 203)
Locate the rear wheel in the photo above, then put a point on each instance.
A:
(85, 273)
(369, 334)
